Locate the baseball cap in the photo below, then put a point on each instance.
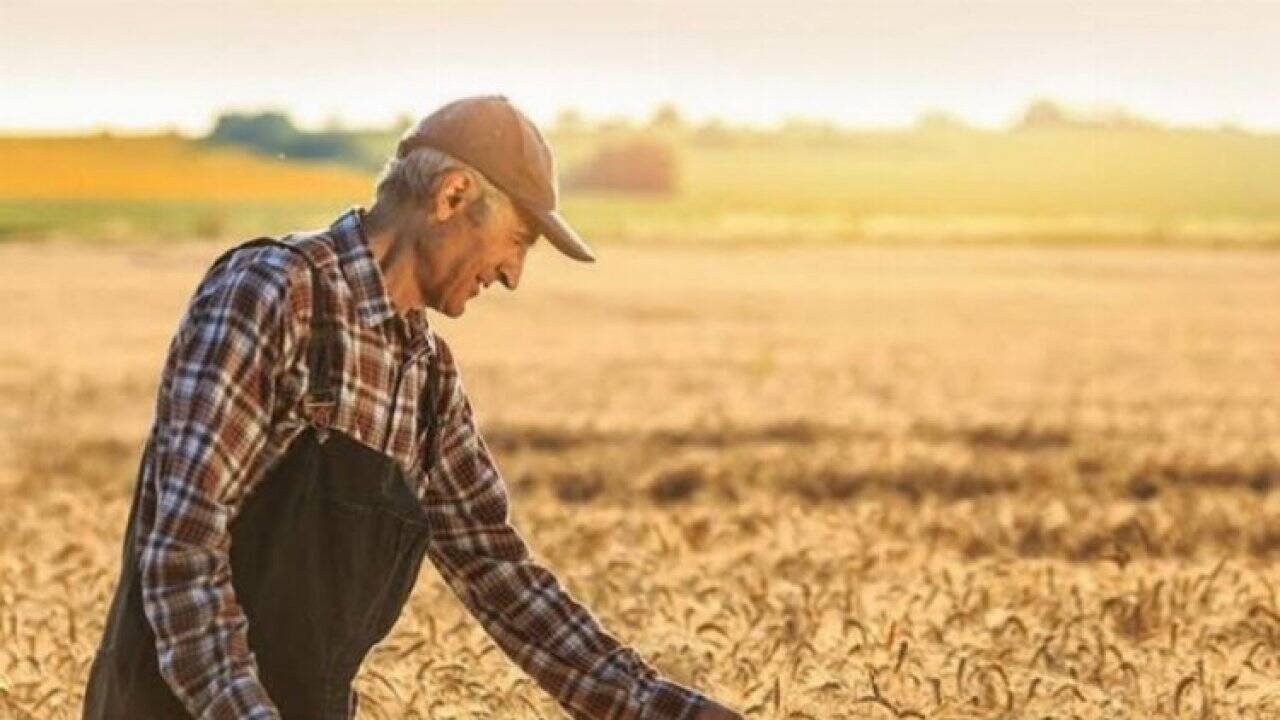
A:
(491, 135)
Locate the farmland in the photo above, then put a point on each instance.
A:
(733, 187)
(827, 480)
(934, 422)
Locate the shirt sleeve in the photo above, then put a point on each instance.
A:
(519, 602)
(212, 420)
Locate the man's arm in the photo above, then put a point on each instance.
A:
(212, 420)
(518, 601)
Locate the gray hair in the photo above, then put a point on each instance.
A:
(414, 179)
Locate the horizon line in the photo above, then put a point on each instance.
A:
(1076, 112)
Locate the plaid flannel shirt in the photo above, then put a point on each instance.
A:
(229, 404)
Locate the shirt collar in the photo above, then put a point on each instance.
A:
(363, 275)
(373, 305)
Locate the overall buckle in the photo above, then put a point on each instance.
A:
(320, 414)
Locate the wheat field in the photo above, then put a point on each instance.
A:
(819, 482)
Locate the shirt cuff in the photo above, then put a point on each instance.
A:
(670, 701)
(243, 698)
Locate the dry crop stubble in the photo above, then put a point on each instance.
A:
(821, 482)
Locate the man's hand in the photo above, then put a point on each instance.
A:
(715, 711)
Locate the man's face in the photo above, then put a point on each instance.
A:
(471, 250)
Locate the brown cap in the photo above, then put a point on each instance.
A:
(491, 135)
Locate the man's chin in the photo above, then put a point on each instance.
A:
(448, 308)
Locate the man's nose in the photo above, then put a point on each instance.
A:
(510, 274)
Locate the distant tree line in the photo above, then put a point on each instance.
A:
(273, 133)
(643, 156)
(1049, 114)
(632, 164)
(667, 120)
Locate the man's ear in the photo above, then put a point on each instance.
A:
(455, 191)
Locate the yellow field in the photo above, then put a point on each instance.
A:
(161, 168)
(820, 482)
(164, 187)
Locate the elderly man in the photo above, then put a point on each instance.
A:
(313, 442)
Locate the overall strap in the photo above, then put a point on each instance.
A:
(428, 416)
(324, 348)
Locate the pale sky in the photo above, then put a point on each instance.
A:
(77, 65)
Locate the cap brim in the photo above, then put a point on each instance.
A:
(559, 233)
